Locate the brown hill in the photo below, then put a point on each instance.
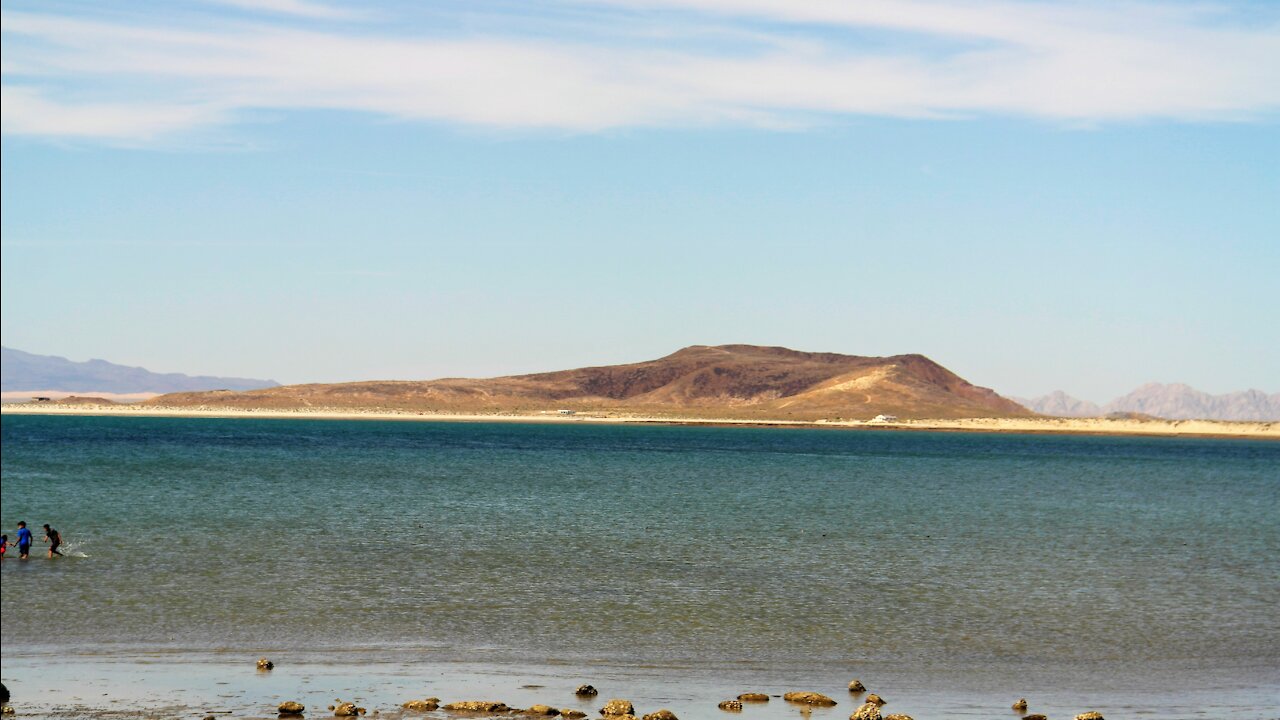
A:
(729, 381)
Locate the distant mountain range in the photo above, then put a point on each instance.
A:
(725, 381)
(1172, 402)
(23, 371)
(1060, 404)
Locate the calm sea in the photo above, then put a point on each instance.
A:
(1134, 563)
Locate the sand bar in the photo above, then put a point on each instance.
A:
(1079, 426)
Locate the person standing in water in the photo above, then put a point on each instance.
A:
(24, 541)
(52, 537)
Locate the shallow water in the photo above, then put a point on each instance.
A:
(1100, 567)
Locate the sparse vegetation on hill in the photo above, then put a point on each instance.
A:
(730, 381)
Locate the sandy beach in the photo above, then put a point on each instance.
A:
(1080, 426)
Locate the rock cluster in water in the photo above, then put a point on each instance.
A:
(620, 709)
(477, 706)
(494, 707)
(265, 664)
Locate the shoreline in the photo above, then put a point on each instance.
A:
(1261, 430)
(227, 683)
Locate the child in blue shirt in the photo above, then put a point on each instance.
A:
(24, 541)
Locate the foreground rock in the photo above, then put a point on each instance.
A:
(874, 698)
(867, 711)
(423, 705)
(265, 664)
(586, 691)
(1034, 717)
(540, 710)
(477, 706)
(663, 714)
(346, 709)
(753, 697)
(898, 717)
(291, 708)
(572, 714)
(809, 698)
(617, 707)
(856, 686)
(1091, 715)
(730, 705)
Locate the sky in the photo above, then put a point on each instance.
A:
(1045, 195)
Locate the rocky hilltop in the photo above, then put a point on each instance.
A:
(725, 381)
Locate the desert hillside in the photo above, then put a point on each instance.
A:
(730, 381)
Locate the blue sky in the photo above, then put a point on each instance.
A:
(1040, 195)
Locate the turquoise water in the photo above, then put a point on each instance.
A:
(1117, 562)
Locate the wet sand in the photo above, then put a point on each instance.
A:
(1079, 426)
(227, 684)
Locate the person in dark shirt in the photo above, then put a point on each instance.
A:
(52, 537)
(24, 541)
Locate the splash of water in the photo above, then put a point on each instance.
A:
(72, 549)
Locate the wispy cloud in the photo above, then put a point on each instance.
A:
(791, 64)
(26, 111)
(299, 8)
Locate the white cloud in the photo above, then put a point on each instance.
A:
(1063, 61)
